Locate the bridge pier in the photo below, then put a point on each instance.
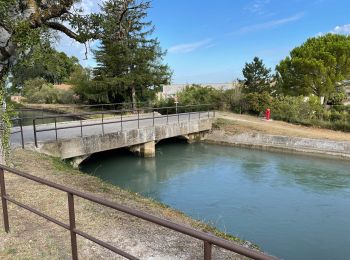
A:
(195, 137)
(146, 150)
(76, 161)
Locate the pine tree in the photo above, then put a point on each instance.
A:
(131, 68)
(257, 77)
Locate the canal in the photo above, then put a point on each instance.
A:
(28, 116)
(292, 206)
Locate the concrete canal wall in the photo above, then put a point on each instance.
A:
(340, 149)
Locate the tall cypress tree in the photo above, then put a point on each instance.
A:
(130, 68)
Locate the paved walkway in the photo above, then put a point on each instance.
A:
(111, 125)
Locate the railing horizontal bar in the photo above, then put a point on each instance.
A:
(105, 245)
(37, 212)
(115, 111)
(59, 223)
(145, 216)
(111, 122)
(79, 106)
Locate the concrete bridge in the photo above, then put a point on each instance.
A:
(140, 132)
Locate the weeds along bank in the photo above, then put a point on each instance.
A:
(305, 110)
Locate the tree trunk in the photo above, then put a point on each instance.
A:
(7, 57)
(133, 97)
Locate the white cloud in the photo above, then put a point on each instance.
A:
(342, 29)
(270, 24)
(257, 6)
(190, 47)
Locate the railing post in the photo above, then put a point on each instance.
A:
(208, 112)
(189, 114)
(21, 126)
(153, 116)
(103, 128)
(138, 119)
(121, 120)
(35, 138)
(167, 116)
(178, 116)
(4, 202)
(207, 251)
(81, 128)
(56, 127)
(73, 235)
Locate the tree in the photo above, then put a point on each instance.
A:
(130, 69)
(257, 77)
(24, 23)
(46, 63)
(316, 66)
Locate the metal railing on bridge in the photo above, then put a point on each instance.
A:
(120, 117)
(208, 240)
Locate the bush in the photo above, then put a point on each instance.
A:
(296, 109)
(196, 94)
(337, 98)
(41, 92)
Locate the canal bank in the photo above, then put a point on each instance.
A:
(33, 237)
(279, 143)
(257, 133)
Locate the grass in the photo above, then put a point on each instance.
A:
(33, 238)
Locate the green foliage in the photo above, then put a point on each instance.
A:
(41, 92)
(6, 5)
(232, 99)
(256, 103)
(195, 94)
(316, 66)
(5, 125)
(296, 109)
(129, 68)
(44, 62)
(257, 77)
(337, 98)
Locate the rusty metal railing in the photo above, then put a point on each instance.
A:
(208, 240)
(165, 112)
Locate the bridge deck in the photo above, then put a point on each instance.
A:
(111, 125)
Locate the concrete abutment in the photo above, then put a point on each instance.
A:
(146, 150)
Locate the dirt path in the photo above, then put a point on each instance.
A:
(245, 123)
(34, 238)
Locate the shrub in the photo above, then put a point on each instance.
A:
(196, 94)
(41, 92)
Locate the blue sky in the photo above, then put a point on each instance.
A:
(210, 41)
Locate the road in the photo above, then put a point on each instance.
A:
(78, 128)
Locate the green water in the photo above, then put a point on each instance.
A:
(29, 115)
(294, 207)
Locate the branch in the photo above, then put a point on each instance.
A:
(60, 27)
(56, 11)
(40, 15)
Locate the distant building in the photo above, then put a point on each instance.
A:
(170, 91)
